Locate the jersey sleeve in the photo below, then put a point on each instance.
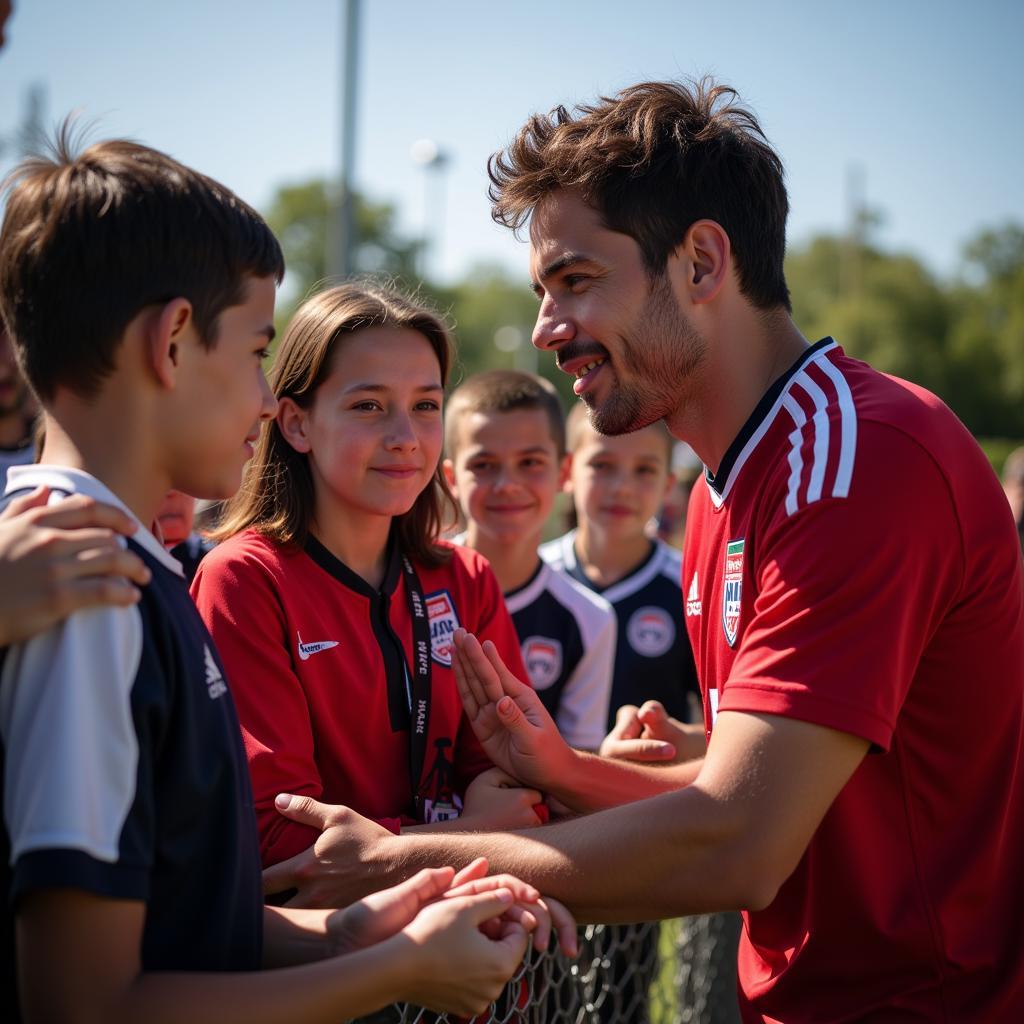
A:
(490, 621)
(239, 601)
(848, 594)
(583, 707)
(78, 762)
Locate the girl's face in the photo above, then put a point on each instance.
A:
(374, 432)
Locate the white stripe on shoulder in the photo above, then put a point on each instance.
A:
(848, 420)
(821, 434)
(795, 456)
(820, 423)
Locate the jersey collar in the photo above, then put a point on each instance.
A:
(343, 574)
(720, 483)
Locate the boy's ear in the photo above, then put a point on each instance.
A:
(166, 334)
(563, 473)
(448, 468)
(670, 482)
(293, 423)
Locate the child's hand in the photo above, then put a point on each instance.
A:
(509, 720)
(650, 734)
(58, 559)
(453, 966)
(536, 914)
(495, 800)
(382, 914)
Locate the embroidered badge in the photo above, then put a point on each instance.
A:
(443, 623)
(651, 631)
(543, 659)
(732, 589)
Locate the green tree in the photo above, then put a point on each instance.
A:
(299, 214)
(988, 335)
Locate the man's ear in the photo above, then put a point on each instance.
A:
(167, 332)
(703, 261)
(293, 422)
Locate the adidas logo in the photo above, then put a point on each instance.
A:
(693, 606)
(307, 650)
(215, 685)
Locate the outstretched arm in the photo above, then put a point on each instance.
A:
(727, 841)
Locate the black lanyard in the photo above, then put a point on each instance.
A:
(418, 681)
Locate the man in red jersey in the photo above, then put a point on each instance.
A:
(853, 592)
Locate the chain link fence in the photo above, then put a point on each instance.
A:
(670, 972)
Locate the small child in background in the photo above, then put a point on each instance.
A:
(176, 516)
(505, 463)
(617, 485)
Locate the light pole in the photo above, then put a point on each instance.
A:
(341, 238)
(427, 154)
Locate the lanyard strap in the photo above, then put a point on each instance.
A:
(419, 683)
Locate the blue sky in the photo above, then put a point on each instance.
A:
(924, 98)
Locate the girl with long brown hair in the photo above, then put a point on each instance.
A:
(331, 599)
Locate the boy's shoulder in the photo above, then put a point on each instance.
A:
(560, 553)
(550, 590)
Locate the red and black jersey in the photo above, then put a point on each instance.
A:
(854, 564)
(319, 664)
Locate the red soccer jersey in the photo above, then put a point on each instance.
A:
(854, 564)
(313, 660)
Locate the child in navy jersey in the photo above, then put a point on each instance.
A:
(506, 460)
(331, 598)
(618, 484)
(140, 295)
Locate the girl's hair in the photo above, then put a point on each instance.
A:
(277, 496)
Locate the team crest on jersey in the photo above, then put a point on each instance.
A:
(543, 659)
(444, 620)
(732, 589)
(651, 631)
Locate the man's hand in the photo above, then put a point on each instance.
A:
(495, 800)
(58, 559)
(650, 734)
(333, 871)
(512, 724)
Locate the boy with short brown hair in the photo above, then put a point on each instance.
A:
(140, 295)
(505, 463)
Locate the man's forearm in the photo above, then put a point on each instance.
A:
(680, 853)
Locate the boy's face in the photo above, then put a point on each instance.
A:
(222, 396)
(619, 483)
(505, 473)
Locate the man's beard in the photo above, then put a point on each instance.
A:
(664, 351)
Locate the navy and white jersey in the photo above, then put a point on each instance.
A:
(567, 634)
(123, 769)
(653, 658)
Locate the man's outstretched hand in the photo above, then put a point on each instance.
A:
(509, 720)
